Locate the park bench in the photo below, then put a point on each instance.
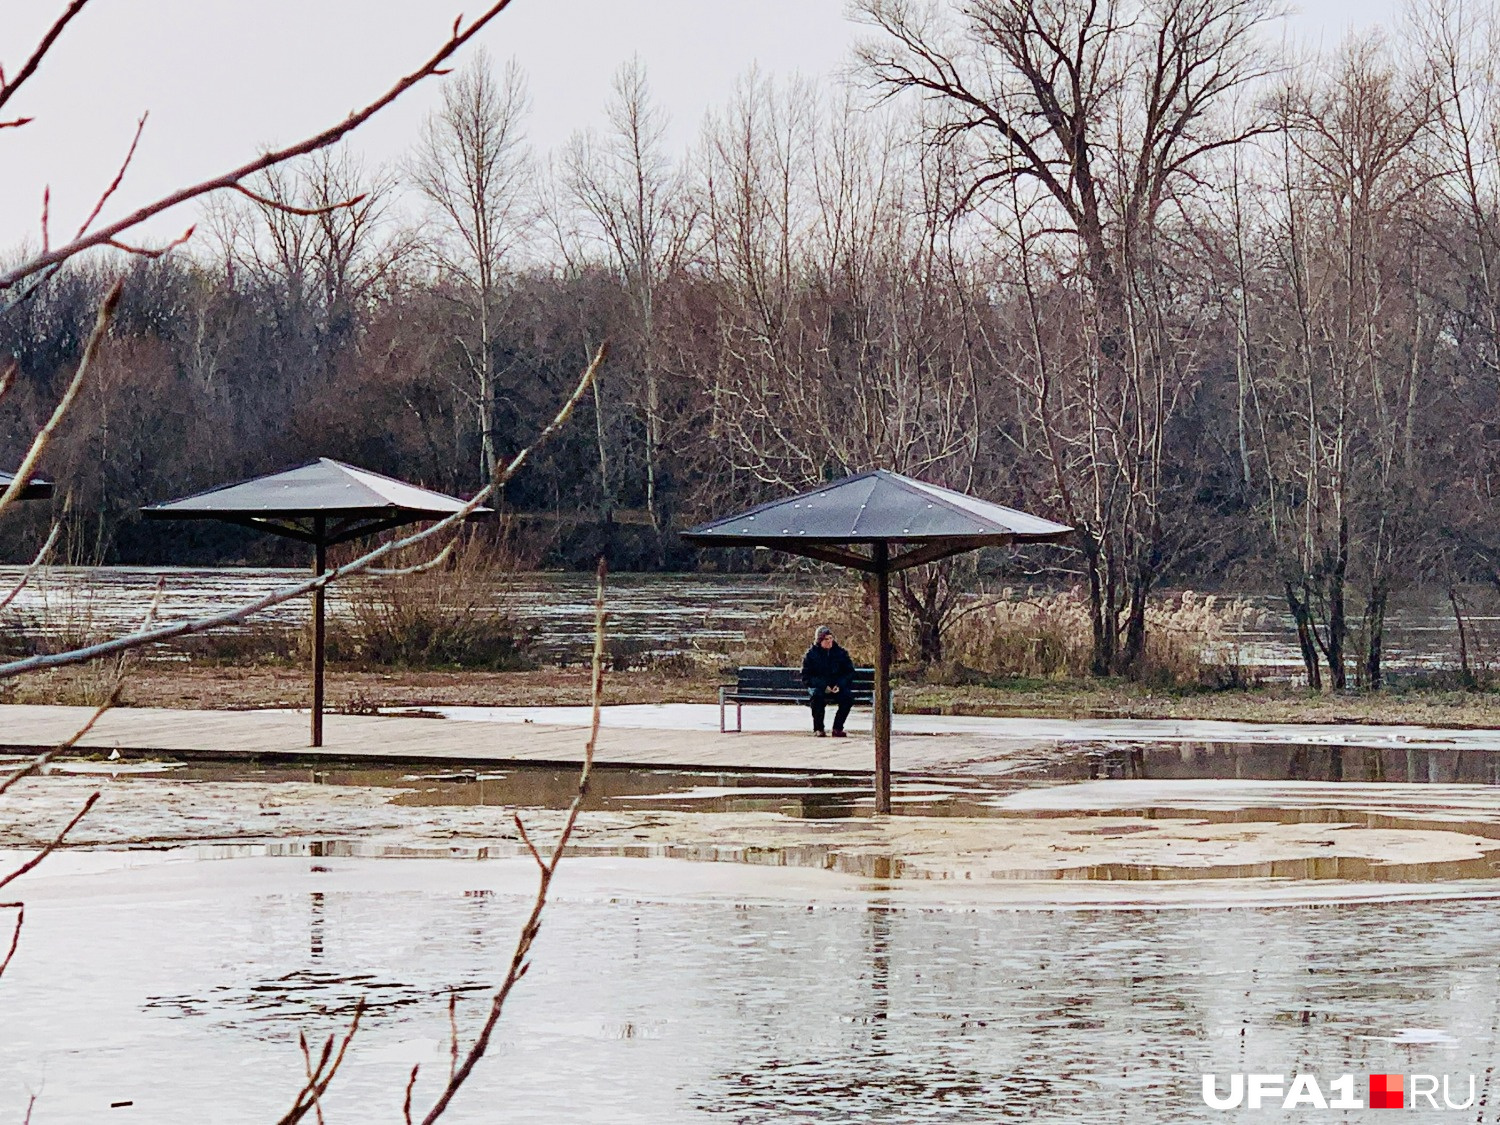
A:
(780, 685)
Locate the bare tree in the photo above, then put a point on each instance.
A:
(1086, 123)
(1347, 338)
(474, 167)
(637, 205)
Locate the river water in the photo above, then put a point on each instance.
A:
(661, 995)
(663, 614)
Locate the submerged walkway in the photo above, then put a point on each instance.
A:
(670, 735)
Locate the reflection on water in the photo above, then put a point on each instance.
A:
(1273, 762)
(189, 999)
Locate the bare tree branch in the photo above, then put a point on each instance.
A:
(9, 87)
(56, 842)
(34, 566)
(519, 962)
(44, 435)
(107, 235)
(42, 759)
(292, 209)
(15, 936)
(322, 1075)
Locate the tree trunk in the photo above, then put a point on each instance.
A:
(1306, 643)
(1135, 624)
(929, 604)
(1338, 620)
(1375, 606)
(1463, 639)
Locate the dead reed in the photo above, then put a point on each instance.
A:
(1028, 634)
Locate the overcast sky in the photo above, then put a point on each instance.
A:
(222, 79)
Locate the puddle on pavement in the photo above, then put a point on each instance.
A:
(810, 796)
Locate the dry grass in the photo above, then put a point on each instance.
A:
(62, 620)
(1031, 635)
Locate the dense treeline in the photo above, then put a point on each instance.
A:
(1230, 314)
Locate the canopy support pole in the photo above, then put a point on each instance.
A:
(320, 564)
(882, 702)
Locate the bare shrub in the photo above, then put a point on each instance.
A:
(455, 613)
(1034, 635)
(263, 643)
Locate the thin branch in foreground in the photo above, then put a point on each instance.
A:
(33, 566)
(55, 843)
(42, 759)
(358, 566)
(312, 1077)
(322, 1074)
(411, 1085)
(44, 435)
(106, 234)
(547, 868)
(151, 253)
(437, 560)
(15, 936)
(8, 377)
(114, 184)
(292, 209)
(9, 88)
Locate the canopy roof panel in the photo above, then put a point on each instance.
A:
(878, 506)
(324, 487)
(36, 488)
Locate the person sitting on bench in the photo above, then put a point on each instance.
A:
(828, 674)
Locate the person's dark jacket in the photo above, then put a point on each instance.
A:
(823, 668)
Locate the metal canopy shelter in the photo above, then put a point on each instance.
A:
(36, 488)
(878, 522)
(323, 503)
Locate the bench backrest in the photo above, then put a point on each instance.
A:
(754, 680)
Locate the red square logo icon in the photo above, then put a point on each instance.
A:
(1385, 1092)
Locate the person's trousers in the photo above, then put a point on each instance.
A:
(819, 700)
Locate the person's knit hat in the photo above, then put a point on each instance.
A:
(823, 631)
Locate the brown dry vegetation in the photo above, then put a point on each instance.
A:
(260, 685)
(1028, 634)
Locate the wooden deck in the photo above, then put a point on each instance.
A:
(250, 735)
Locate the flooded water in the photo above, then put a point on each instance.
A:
(178, 989)
(649, 614)
(662, 614)
(812, 964)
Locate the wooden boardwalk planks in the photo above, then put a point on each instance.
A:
(241, 735)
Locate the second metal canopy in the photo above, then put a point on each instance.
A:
(878, 522)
